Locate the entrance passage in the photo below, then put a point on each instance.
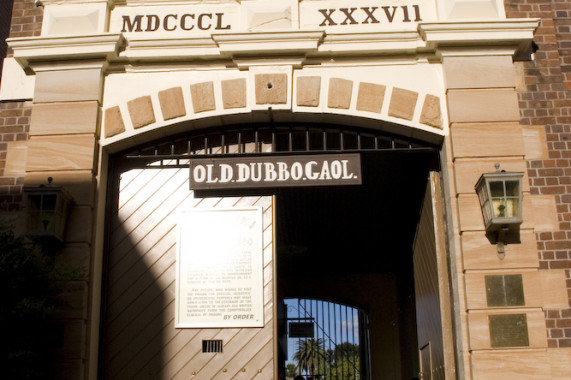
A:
(349, 247)
(352, 247)
(326, 340)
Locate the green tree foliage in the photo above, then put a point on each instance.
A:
(291, 370)
(310, 355)
(341, 363)
(346, 363)
(26, 306)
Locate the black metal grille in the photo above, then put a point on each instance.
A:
(268, 139)
(212, 346)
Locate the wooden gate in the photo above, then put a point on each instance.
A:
(434, 326)
(139, 338)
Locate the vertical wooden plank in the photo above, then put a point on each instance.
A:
(431, 276)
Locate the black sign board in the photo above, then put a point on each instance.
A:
(274, 171)
(301, 330)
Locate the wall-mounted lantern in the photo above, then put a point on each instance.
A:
(47, 208)
(500, 195)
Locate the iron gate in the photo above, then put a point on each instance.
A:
(335, 348)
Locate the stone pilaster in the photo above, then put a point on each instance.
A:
(484, 130)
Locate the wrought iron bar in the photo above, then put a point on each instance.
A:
(296, 140)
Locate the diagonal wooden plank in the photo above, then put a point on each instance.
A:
(258, 363)
(148, 249)
(138, 306)
(133, 286)
(147, 202)
(143, 344)
(202, 360)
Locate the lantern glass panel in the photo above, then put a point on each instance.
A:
(498, 198)
(512, 198)
(484, 202)
(505, 198)
(43, 213)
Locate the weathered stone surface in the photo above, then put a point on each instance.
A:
(487, 139)
(73, 152)
(67, 85)
(479, 72)
(16, 156)
(271, 88)
(141, 111)
(479, 254)
(403, 103)
(339, 94)
(308, 90)
(534, 141)
(431, 114)
(202, 95)
(113, 122)
(468, 170)
(370, 97)
(79, 227)
(544, 214)
(472, 106)
(64, 118)
(172, 103)
(234, 93)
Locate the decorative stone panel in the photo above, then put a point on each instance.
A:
(141, 111)
(430, 114)
(202, 95)
(308, 91)
(403, 103)
(234, 93)
(370, 97)
(172, 103)
(271, 88)
(113, 122)
(340, 91)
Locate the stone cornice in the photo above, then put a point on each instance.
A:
(171, 49)
(30, 51)
(388, 42)
(514, 34)
(262, 43)
(510, 36)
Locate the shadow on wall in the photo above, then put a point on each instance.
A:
(138, 316)
(139, 338)
(5, 22)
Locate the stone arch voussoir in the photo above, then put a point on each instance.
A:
(309, 94)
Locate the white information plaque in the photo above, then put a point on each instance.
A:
(220, 269)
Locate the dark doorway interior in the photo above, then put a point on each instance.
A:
(353, 245)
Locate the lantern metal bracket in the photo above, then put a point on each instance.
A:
(501, 242)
